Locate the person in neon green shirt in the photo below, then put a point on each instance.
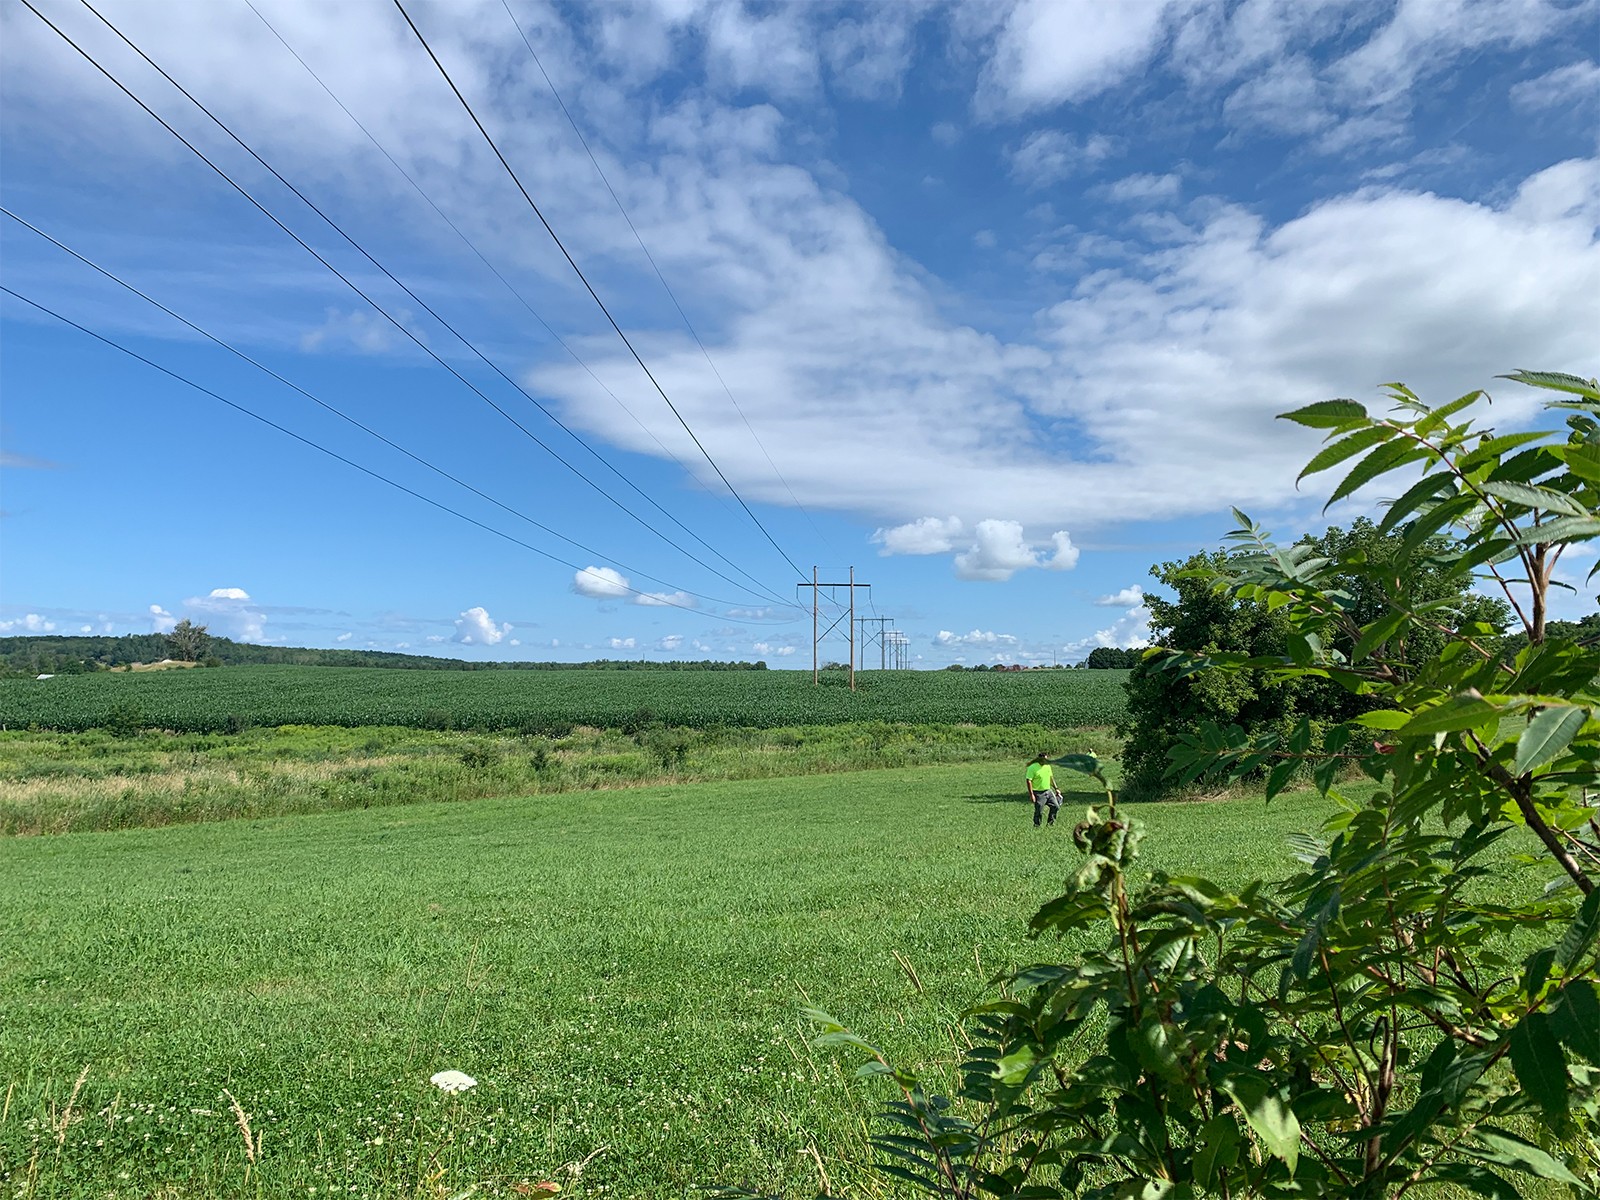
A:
(1042, 789)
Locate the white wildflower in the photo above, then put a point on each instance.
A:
(453, 1081)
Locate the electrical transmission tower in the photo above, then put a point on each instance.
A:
(898, 641)
(880, 636)
(848, 615)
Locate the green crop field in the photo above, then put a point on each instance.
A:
(236, 697)
(621, 972)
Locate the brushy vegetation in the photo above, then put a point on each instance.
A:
(1403, 1014)
(552, 701)
(620, 971)
(79, 782)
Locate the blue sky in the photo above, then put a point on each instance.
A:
(1004, 296)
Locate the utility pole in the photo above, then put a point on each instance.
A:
(817, 635)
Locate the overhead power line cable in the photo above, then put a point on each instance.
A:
(671, 295)
(466, 241)
(589, 287)
(346, 417)
(398, 324)
(349, 462)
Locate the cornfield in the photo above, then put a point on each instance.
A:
(550, 701)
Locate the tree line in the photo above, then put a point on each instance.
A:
(49, 655)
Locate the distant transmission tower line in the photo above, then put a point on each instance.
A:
(346, 417)
(573, 263)
(468, 242)
(334, 454)
(671, 295)
(369, 299)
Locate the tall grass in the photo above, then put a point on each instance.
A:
(60, 783)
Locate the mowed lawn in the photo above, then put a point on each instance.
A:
(622, 973)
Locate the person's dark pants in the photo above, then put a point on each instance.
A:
(1046, 800)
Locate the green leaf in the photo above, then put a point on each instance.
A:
(1576, 1018)
(1556, 381)
(1337, 452)
(1579, 935)
(1268, 1116)
(1377, 634)
(1382, 718)
(1425, 489)
(1219, 1149)
(1538, 1063)
(1547, 735)
(1511, 1151)
(1381, 461)
(1326, 414)
(1562, 529)
(1455, 714)
(1540, 498)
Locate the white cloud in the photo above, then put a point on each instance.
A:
(34, 623)
(978, 637)
(620, 643)
(161, 621)
(999, 550)
(1049, 155)
(868, 57)
(946, 133)
(1141, 189)
(670, 642)
(1128, 597)
(228, 612)
(476, 628)
(665, 599)
(1576, 85)
(366, 332)
(1051, 51)
(347, 635)
(1129, 631)
(601, 583)
(433, 639)
(515, 642)
(926, 535)
(86, 629)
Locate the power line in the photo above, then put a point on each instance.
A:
(589, 287)
(671, 295)
(760, 589)
(468, 242)
(334, 454)
(342, 415)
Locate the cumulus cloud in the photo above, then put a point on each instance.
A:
(621, 643)
(1128, 597)
(926, 535)
(31, 623)
(670, 641)
(1049, 51)
(229, 612)
(161, 621)
(347, 635)
(601, 583)
(476, 628)
(978, 637)
(999, 550)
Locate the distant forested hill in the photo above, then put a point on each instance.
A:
(78, 655)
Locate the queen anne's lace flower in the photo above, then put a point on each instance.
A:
(453, 1081)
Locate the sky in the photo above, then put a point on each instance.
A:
(991, 304)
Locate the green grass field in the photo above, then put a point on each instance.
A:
(620, 971)
(551, 701)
